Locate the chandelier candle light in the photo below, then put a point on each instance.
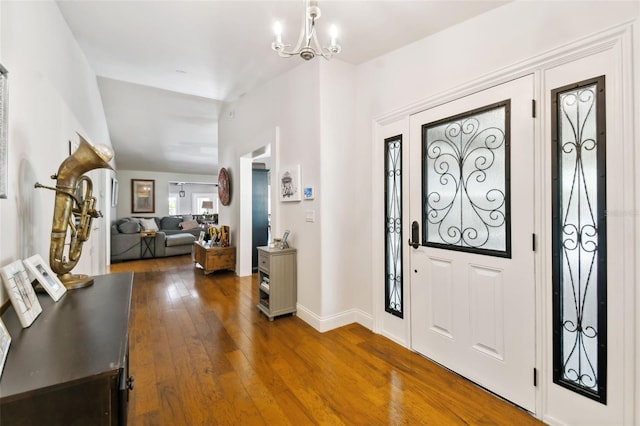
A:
(307, 46)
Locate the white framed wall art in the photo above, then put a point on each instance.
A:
(289, 180)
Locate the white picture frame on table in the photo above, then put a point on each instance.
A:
(4, 131)
(114, 192)
(283, 241)
(290, 187)
(40, 271)
(5, 342)
(21, 293)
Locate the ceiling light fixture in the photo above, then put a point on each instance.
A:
(181, 193)
(308, 46)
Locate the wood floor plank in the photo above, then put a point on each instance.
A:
(295, 413)
(309, 396)
(202, 354)
(260, 393)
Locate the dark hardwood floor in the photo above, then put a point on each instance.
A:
(202, 354)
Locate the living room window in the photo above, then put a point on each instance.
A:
(173, 204)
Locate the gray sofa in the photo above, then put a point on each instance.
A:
(170, 238)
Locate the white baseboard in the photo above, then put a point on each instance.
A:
(331, 322)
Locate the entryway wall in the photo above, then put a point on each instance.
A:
(619, 41)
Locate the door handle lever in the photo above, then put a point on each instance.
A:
(415, 235)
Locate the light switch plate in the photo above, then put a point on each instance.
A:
(310, 216)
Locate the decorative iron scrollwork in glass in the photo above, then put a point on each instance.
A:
(466, 173)
(393, 225)
(579, 238)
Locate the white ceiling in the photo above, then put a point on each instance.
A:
(165, 67)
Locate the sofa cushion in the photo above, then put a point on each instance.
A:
(129, 227)
(189, 225)
(114, 229)
(170, 223)
(149, 224)
(179, 240)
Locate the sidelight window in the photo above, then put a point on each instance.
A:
(579, 238)
(393, 225)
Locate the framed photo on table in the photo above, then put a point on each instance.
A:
(4, 130)
(45, 276)
(22, 295)
(143, 196)
(283, 242)
(5, 342)
(114, 192)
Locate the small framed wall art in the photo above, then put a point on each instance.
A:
(143, 196)
(45, 276)
(308, 193)
(23, 297)
(290, 187)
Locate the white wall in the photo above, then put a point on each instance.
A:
(290, 103)
(52, 95)
(344, 199)
(161, 185)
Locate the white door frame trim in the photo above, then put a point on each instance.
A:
(619, 38)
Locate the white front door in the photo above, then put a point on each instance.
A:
(472, 273)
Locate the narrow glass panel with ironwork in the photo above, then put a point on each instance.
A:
(393, 225)
(579, 238)
(466, 181)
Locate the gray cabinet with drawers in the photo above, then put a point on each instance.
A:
(277, 285)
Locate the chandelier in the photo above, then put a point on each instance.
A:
(307, 46)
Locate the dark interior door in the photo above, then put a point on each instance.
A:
(260, 213)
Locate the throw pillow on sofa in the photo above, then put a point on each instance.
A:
(149, 224)
(191, 224)
(129, 227)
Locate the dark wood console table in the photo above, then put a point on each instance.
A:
(70, 367)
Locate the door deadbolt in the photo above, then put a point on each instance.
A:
(415, 235)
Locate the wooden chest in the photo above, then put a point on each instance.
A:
(214, 258)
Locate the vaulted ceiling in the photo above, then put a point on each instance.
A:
(165, 67)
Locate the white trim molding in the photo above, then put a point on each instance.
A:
(323, 324)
